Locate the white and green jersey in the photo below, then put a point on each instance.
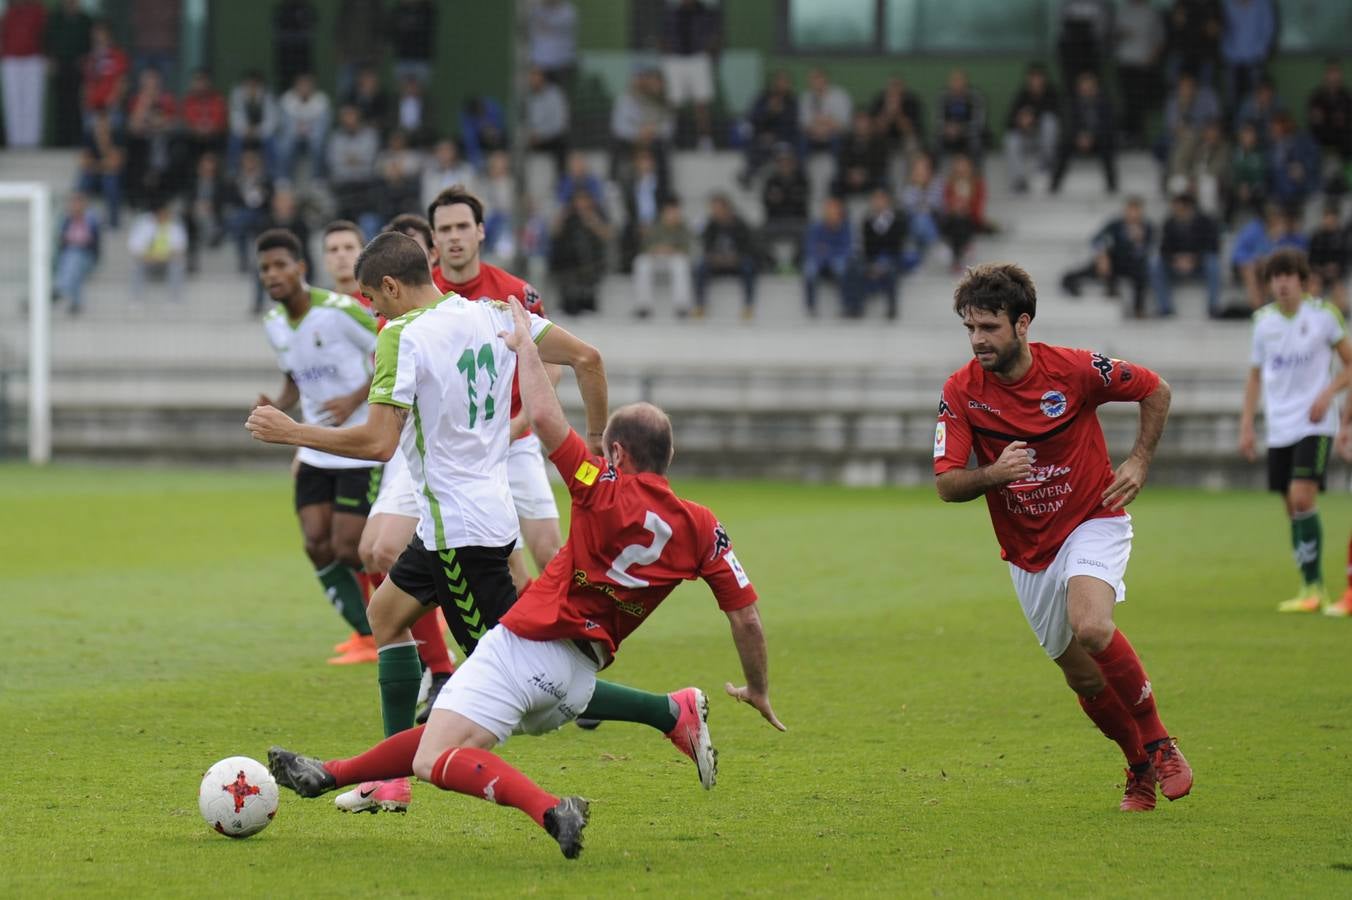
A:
(328, 354)
(1295, 354)
(447, 366)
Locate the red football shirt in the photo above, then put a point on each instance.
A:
(631, 542)
(1052, 408)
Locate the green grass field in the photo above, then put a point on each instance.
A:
(159, 621)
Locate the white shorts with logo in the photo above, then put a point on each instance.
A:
(688, 78)
(1099, 547)
(529, 480)
(510, 685)
(398, 495)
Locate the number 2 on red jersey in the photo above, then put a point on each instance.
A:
(639, 555)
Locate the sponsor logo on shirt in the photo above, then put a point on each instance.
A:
(944, 408)
(1053, 404)
(722, 542)
(731, 559)
(586, 473)
(1085, 561)
(1105, 367)
(1291, 360)
(977, 404)
(940, 440)
(314, 373)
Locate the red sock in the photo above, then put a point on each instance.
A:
(1116, 723)
(478, 773)
(1349, 564)
(364, 581)
(432, 645)
(1122, 669)
(391, 758)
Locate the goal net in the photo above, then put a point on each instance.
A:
(25, 321)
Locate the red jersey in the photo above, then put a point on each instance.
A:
(104, 71)
(493, 283)
(631, 542)
(21, 29)
(205, 111)
(1052, 408)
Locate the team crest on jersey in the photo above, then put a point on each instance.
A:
(722, 543)
(1053, 404)
(610, 474)
(1104, 365)
(319, 342)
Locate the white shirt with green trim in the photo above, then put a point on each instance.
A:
(328, 354)
(448, 367)
(1295, 355)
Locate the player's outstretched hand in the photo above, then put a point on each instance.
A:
(1014, 463)
(269, 424)
(1248, 443)
(759, 701)
(519, 336)
(1128, 483)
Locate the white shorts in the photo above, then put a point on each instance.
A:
(1099, 547)
(529, 480)
(688, 78)
(398, 496)
(510, 685)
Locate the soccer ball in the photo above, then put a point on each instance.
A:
(238, 797)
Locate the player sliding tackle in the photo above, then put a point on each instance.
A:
(632, 541)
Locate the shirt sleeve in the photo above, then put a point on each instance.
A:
(1337, 329)
(359, 326)
(588, 477)
(1256, 346)
(1108, 380)
(952, 433)
(394, 382)
(720, 568)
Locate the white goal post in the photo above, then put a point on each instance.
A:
(38, 197)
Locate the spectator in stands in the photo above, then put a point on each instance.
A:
(498, 192)
(1293, 159)
(359, 41)
(641, 118)
(773, 120)
(547, 119)
(1329, 112)
(67, 43)
(23, 71)
(962, 117)
(158, 245)
(371, 99)
(552, 29)
(1209, 170)
(1248, 174)
(828, 252)
(1189, 248)
(784, 199)
(155, 29)
(1138, 34)
(293, 37)
(353, 148)
(101, 163)
(1090, 130)
(105, 77)
(414, 111)
(483, 129)
(645, 196)
(413, 37)
(823, 113)
(964, 209)
(862, 160)
(692, 35)
(247, 200)
(1248, 42)
(883, 234)
(578, 253)
(1329, 256)
(1190, 108)
(306, 117)
(922, 198)
(1032, 128)
(284, 212)
(398, 176)
(666, 249)
(1255, 242)
(444, 169)
(1085, 28)
(77, 251)
(580, 177)
(253, 119)
(206, 120)
(729, 249)
(1194, 39)
(204, 207)
(899, 116)
(1261, 106)
(1122, 250)
(152, 125)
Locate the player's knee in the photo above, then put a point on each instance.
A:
(423, 762)
(1094, 636)
(383, 555)
(319, 550)
(347, 552)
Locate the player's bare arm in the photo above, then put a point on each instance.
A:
(376, 438)
(539, 402)
(1247, 438)
(961, 485)
(1320, 407)
(287, 397)
(561, 348)
(1130, 476)
(340, 409)
(520, 423)
(749, 638)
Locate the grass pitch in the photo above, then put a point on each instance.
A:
(160, 620)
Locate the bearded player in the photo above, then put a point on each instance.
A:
(1028, 412)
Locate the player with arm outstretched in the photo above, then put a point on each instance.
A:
(1027, 411)
(631, 542)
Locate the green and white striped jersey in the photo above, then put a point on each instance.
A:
(1295, 354)
(328, 354)
(447, 366)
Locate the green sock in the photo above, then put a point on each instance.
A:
(341, 587)
(1307, 539)
(617, 703)
(399, 674)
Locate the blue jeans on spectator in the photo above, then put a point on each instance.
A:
(73, 265)
(881, 275)
(1163, 274)
(243, 223)
(745, 270)
(838, 268)
(290, 146)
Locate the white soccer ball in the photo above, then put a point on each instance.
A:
(238, 797)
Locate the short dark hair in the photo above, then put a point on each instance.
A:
(279, 239)
(456, 193)
(343, 225)
(645, 433)
(409, 223)
(393, 254)
(1287, 261)
(996, 288)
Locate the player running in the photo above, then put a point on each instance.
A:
(323, 342)
(1294, 342)
(442, 367)
(1028, 412)
(631, 542)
